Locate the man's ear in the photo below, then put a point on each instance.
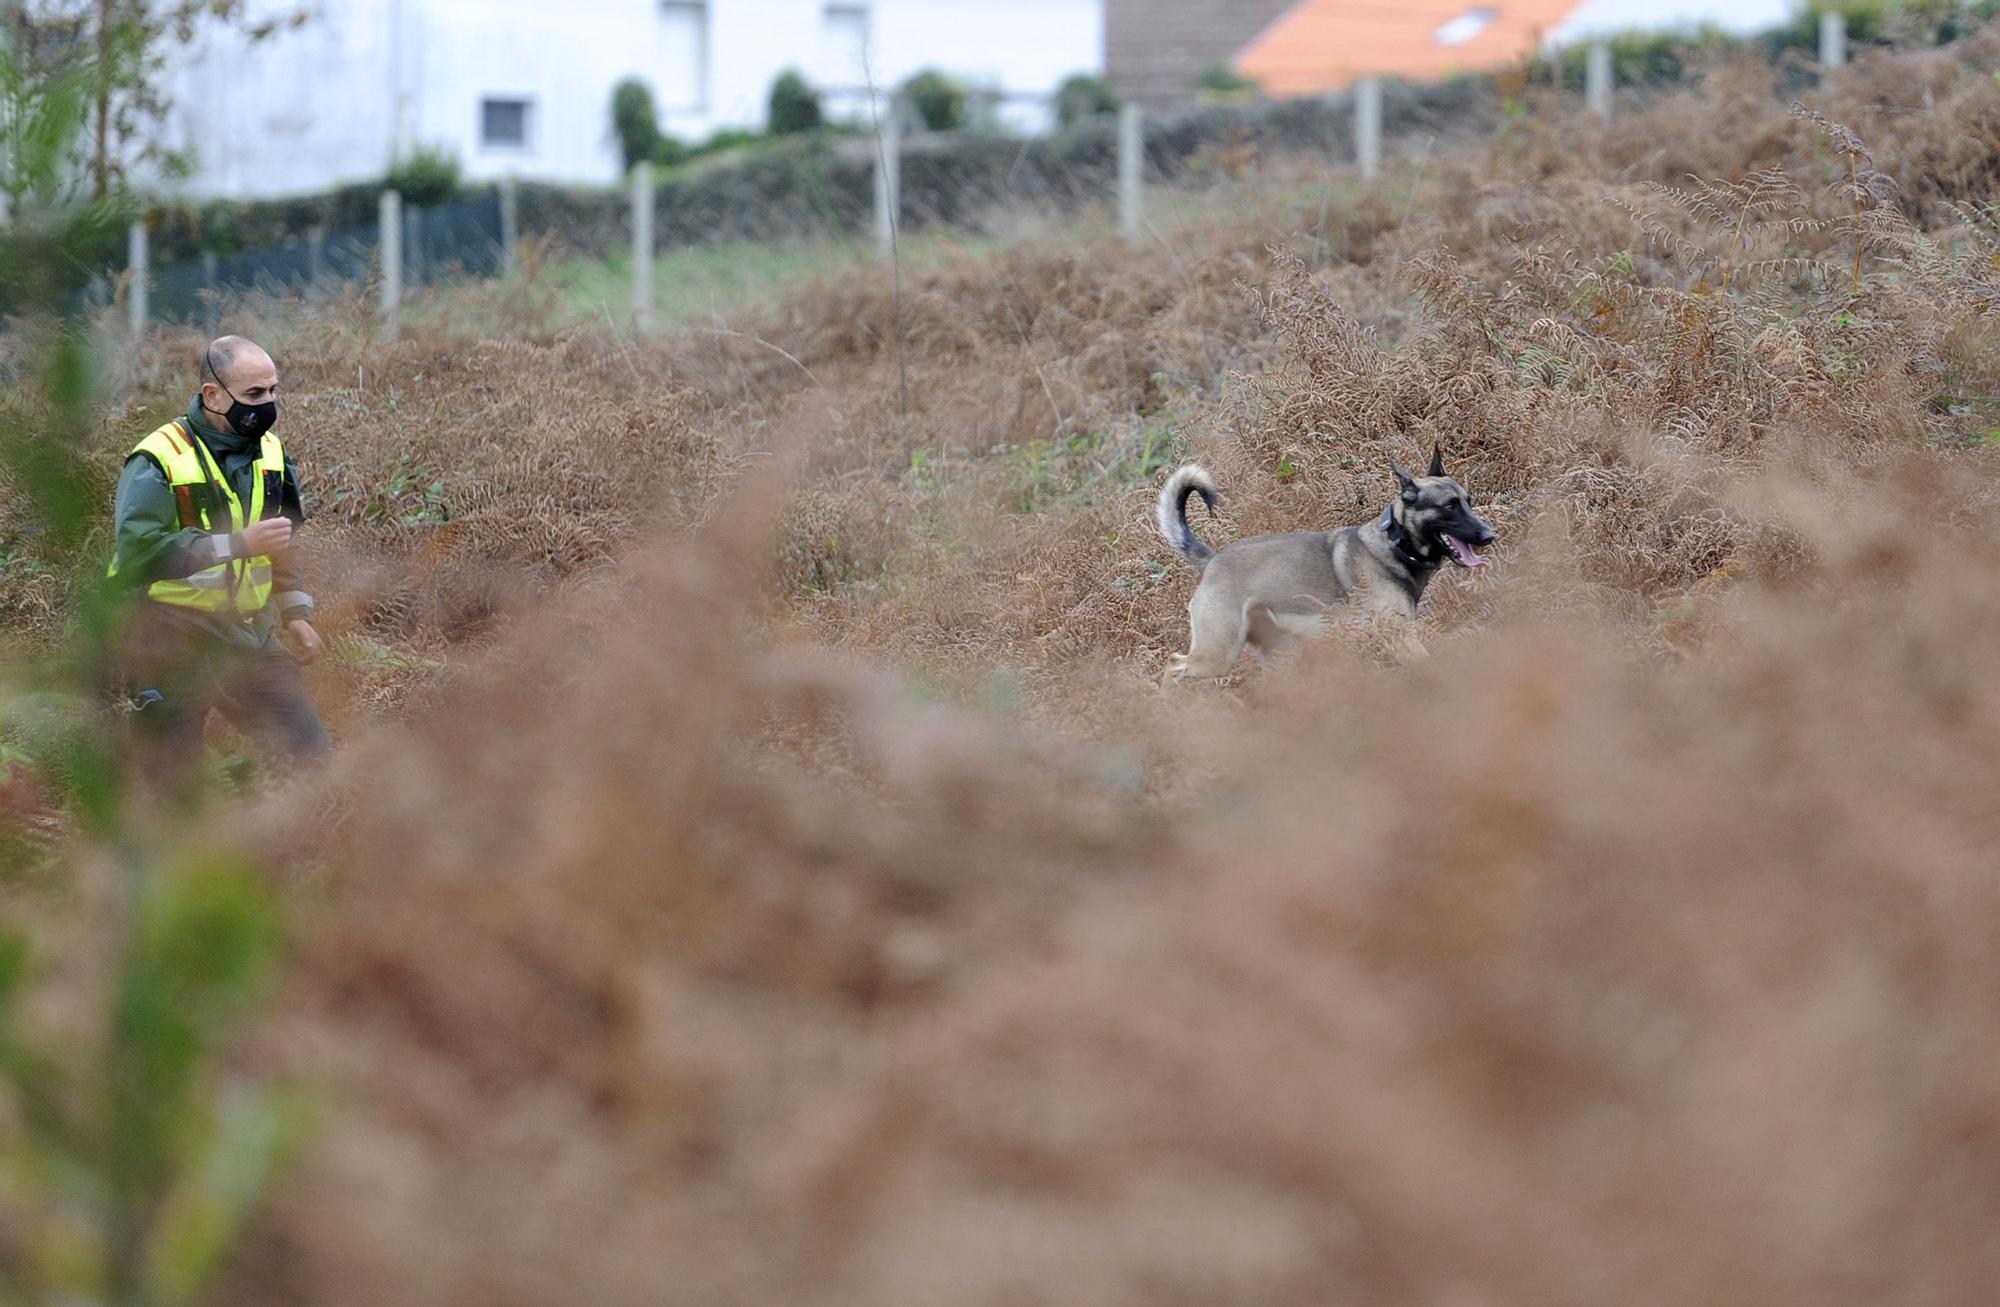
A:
(1408, 482)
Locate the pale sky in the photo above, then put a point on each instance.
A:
(1605, 17)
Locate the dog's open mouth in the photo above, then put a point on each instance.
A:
(1462, 553)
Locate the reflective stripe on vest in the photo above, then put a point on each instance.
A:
(240, 586)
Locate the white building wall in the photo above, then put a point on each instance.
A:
(1021, 46)
(561, 58)
(300, 112)
(750, 43)
(331, 102)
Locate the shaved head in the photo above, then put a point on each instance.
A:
(228, 355)
(236, 371)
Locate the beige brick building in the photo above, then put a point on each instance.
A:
(1154, 50)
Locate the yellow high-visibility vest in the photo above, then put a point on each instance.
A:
(241, 586)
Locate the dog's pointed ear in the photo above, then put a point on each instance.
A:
(1437, 461)
(1403, 478)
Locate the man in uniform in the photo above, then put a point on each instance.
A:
(206, 508)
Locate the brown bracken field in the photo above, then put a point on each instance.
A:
(765, 864)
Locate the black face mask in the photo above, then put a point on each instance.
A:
(249, 421)
(253, 420)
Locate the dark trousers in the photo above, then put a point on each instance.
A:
(258, 690)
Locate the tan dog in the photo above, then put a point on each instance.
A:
(1267, 589)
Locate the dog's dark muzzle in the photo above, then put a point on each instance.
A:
(1464, 550)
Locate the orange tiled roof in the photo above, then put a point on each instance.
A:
(1323, 45)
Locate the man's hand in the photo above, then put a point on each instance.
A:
(270, 536)
(302, 640)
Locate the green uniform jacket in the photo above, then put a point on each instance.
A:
(153, 546)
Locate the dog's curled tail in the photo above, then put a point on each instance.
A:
(1190, 480)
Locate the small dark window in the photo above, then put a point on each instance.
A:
(503, 124)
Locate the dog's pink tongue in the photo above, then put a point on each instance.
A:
(1464, 552)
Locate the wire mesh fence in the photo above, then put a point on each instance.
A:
(460, 239)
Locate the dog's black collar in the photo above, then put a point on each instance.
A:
(1399, 540)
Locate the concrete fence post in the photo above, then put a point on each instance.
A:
(1597, 79)
(392, 262)
(889, 178)
(139, 282)
(1368, 127)
(642, 245)
(1131, 171)
(1832, 40)
(510, 223)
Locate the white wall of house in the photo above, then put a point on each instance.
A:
(1015, 46)
(300, 112)
(524, 86)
